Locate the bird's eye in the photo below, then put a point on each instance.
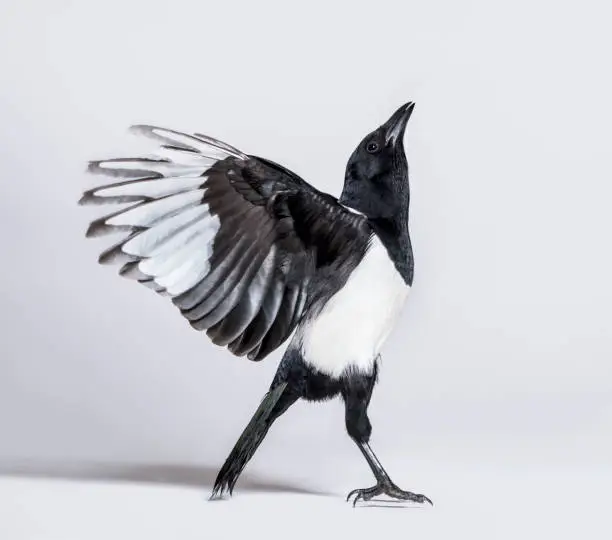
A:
(372, 147)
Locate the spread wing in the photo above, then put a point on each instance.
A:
(233, 240)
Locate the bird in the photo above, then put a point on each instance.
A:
(256, 257)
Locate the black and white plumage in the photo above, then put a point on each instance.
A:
(236, 243)
(252, 254)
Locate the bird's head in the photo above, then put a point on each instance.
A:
(376, 181)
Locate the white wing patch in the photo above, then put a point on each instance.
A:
(145, 166)
(172, 230)
(152, 189)
(170, 233)
(145, 215)
(202, 144)
(354, 324)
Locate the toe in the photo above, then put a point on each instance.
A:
(358, 496)
(397, 493)
(425, 499)
(361, 495)
(348, 497)
(419, 498)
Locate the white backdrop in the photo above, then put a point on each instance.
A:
(503, 353)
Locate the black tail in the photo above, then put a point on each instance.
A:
(271, 407)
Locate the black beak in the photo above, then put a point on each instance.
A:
(396, 125)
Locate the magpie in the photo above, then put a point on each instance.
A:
(253, 255)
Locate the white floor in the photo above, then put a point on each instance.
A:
(470, 503)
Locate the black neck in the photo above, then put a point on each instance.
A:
(395, 236)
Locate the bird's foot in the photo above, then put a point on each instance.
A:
(386, 488)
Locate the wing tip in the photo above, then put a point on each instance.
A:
(87, 199)
(149, 131)
(141, 129)
(92, 231)
(256, 355)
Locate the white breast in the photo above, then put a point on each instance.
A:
(356, 321)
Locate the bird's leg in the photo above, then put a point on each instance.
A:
(384, 485)
(275, 402)
(356, 393)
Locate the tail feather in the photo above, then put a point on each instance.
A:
(249, 441)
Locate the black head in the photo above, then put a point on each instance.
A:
(376, 181)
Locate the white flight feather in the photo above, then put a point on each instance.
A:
(144, 215)
(156, 188)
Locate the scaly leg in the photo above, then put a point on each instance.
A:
(357, 392)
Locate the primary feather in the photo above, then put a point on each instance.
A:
(234, 240)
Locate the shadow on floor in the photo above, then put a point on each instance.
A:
(182, 475)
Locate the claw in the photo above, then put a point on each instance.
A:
(351, 494)
(361, 496)
(364, 494)
(358, 495)
(388, 489)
